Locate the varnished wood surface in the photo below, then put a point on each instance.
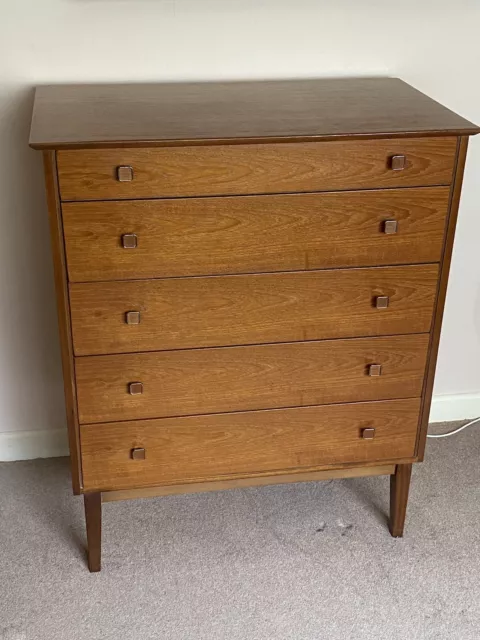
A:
(257, 413)
(441, 294)
(234, 310)
(205, 447)
(63, 312)
(203, 236)
(103, 114)
(188, 382)
(254, 169)
(399, 489)
(252, 481)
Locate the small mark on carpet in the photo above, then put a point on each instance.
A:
(345, 528)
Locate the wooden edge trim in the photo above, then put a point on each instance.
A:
(198, 142)
(63, 312)
(455, 192)
(220, 485)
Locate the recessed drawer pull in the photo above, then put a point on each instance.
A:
(398, 163)
(135, 388)
(124, 173)
(375, 370)
(137, 454)
(368, 434)
(390, 227)
(129, 241)
(132, 317)
(382, 302)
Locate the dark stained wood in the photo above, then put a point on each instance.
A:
(93, 519)
(399, 488)
(234, 310)
(203, 236)
(441, 294)
(63, 311)
(374, 469)
(254, 169)
(209, 447)
(140, 114)
(188, 382)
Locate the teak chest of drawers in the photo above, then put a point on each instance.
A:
(250, 280)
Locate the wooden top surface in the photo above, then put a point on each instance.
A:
(69, 116)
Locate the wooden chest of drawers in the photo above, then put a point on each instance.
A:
(250, 280)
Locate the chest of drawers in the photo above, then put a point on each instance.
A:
(250, 280)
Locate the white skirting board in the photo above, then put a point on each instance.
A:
(464, 406)
(28, 445)
(53, 443)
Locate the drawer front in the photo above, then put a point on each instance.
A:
(251, 309)
(205, 236)
(188, 382)
(240, 444)
(102, 174)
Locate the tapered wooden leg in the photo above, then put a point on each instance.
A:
(399, 486)
(93, 518)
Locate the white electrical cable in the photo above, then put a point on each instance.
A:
(452, 433)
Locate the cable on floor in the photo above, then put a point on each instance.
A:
(452, 433)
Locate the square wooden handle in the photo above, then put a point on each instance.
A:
(390, 227)
(124, 173)
(375, 370)
(135, 388)
(382, 302)
(129, 241)
(398, 163)
(368, 434)
(132, 317)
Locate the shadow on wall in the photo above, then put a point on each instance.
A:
(31, 394)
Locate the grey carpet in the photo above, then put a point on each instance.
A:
(292, 562)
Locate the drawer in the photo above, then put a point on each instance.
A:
(188, 382)
(182, 313)
(93, 174)
(202, 236)
(241, 444)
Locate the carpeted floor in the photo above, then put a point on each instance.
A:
(293, 562)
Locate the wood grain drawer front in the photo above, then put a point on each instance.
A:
(182, 313)
(253, 234)
(188, 382)
(241, 444)
(102, 174)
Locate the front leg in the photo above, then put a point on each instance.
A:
(399, 486)
(93, 518)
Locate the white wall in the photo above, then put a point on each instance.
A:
(433, 45)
